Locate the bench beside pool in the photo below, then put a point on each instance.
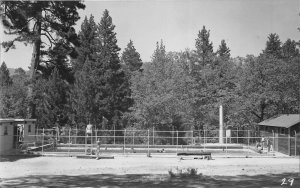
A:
(195, 155)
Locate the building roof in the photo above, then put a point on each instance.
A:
(15, 120)
(284, 120)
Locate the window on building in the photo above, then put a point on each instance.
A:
(29, 128)
(273, 131)
(283, 130)
(293, 132)
(5, 130)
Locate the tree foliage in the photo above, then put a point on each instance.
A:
(204, 47)
(101, 89)
(174, 91)
(5, 79)
(45, 24)
(162, 92)
(131, 58)
(13, 95)
(51, 100)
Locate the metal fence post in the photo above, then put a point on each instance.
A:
(237, 135)
(273, 147)
(114, 135)
(153, 137)
(289, 141)
(204, 138)
(96, 136)
(43, 141)
(133, 139)
(69, 142)
(248, 138)
(226, 148)
(177, 142)
(248, 141)
(148, 144)
(124, 141)
(295, 143)
(172, 140)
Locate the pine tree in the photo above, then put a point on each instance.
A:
(83, 108)
(88, 43)
(5, 79)
(19, 94)
(101, 87)
(223, 51)
(131, 58)
(114, 98)
(204, 48)
(51, 100)
(289, 49)
(160, 61)
(273, 46)
(83, 94)
(40, 23)
(54, 20)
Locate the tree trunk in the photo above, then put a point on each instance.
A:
(34, 64)
(36, 50)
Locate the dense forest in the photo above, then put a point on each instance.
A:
(77, 78)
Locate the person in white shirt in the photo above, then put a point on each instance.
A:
(89, 129)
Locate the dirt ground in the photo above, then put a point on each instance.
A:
(141, 171)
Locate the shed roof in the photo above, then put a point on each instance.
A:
(284, 120)
(15, 120)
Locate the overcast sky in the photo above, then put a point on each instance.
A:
(244, 24)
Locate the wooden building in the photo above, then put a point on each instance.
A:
(284, 133)
(16, 131)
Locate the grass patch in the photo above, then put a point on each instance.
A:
(187, 172)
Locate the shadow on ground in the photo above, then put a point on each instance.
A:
(13, 158)
(145, 180)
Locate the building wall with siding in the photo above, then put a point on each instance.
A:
(29, 131)
(282, 142)
(295, 138)
(8, 141)
(6, 136)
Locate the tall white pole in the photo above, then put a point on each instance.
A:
(221, 141)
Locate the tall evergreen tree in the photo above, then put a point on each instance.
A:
(42, 23)
(223, 51)
(84, 90)
(89, 43)
(5, 79)
(101, 88)
(131, 58)
(160, 61)
(51, 100)
(83, 94)
(39, 23)
(13, 94)
(19, 94)
(289, 49)
(204, 47)
(273, 46)
(114, 96)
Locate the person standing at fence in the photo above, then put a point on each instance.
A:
(98, 150)
(262, 142)
(269, 144)
(89, 129)
(88, 132)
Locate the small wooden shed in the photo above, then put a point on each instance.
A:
(284, 132)
(16, 131)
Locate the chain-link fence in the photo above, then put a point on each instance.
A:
(76, 140)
